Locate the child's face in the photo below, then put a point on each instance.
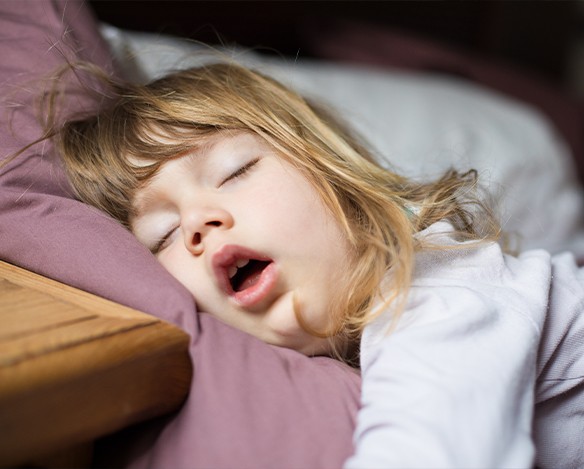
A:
(235, 202)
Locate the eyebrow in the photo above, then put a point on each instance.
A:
(141, 203)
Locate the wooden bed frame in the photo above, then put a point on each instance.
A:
(75, 367)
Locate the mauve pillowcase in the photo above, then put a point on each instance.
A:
(251, 404)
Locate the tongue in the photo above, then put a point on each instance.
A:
(250, 275)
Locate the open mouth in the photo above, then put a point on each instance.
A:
(247, 277)
(246, 273)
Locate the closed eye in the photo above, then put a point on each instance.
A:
(241, 171)
(163, 242)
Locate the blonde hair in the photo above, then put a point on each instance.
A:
(379, 211)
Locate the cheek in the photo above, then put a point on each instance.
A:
(293, 207)
(181, 269)
(192, 275)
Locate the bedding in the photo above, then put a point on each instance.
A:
(252, 405)
(420, 124)
(374, 46)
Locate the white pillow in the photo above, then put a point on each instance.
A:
(420, 125)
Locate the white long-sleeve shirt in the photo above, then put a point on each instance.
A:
(485, 339)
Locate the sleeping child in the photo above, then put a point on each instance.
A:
(277, 219)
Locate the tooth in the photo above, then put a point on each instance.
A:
(242, 262)
(231, 271)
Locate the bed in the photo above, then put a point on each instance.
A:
(248, 404)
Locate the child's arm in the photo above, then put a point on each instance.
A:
(453, 386)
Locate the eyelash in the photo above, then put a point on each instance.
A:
(236, 174)
(241, 171)
(158, 246)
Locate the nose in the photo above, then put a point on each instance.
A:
(199, 223)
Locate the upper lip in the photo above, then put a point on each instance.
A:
(227, 257)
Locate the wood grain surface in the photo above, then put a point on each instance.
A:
(74, 367)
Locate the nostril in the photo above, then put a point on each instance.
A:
(214, 223)
(197, 238)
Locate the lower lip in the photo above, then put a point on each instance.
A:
(260, 290)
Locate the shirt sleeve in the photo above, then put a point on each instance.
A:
(452, 386)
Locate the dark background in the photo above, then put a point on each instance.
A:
(538, 36)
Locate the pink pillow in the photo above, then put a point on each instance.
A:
(251, 405)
